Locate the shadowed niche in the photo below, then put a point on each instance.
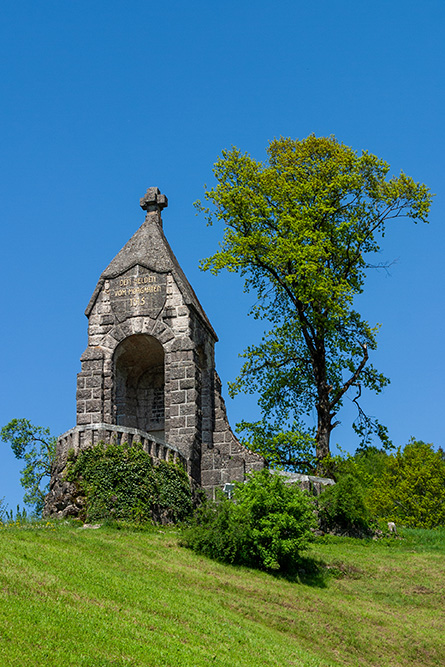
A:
(139, 384)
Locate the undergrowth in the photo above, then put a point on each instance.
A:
(120, 482)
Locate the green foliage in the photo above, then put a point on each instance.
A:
(342, 507)
(36, 446)
(365, 465)
(122, 483)
(369, 463)
(173, 491)
(292, 449)
(411, 488)
(21, 516)
(3, 509)
(407, 487)
(303, 228)
(421, 539)
(266, 525)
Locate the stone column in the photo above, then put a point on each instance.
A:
(90, 388)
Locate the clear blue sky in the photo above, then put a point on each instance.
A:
(102, 99)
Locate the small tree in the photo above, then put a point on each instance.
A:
(302, 229)
(36, 446)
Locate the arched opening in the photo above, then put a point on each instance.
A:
(139, 384)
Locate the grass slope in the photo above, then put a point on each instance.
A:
(111, 597)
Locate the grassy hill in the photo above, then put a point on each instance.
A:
(107, 597)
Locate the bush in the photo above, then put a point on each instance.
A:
(174, 497)
(266, 525)
(407, 487)
(342, 507)
(121, 482)
(411, 489)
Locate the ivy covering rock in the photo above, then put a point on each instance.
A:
(119, 482)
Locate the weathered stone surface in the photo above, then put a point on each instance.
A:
(153, 199)
(310, 483)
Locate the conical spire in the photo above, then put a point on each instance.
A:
(149, 248)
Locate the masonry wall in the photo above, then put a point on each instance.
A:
(195, 419)
(225, 460)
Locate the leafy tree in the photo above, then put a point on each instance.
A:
(36, 446)
(411, 488)
(266, 524)
(302, 228)
(365, 465)
(370, 464)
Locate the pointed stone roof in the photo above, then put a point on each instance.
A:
(149, 247)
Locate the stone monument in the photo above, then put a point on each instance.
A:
(148, 373)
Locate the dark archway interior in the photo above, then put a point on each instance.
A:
(139, 384)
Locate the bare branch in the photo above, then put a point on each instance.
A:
(352, 380)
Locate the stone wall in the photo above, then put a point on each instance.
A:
(225, 460)
(64, 498)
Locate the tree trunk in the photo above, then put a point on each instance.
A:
(324, 416)
(323, 436)
(324, 428)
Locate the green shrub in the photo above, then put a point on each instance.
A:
(121, 482)
(411, 488)
(265, 525)
(342, 507)
(174, 497)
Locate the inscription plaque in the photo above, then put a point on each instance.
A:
(137, 291)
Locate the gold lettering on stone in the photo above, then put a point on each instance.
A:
(137, 301)
(138, 293)
(136, 285)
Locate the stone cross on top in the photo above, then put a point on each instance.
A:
(153, 200)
